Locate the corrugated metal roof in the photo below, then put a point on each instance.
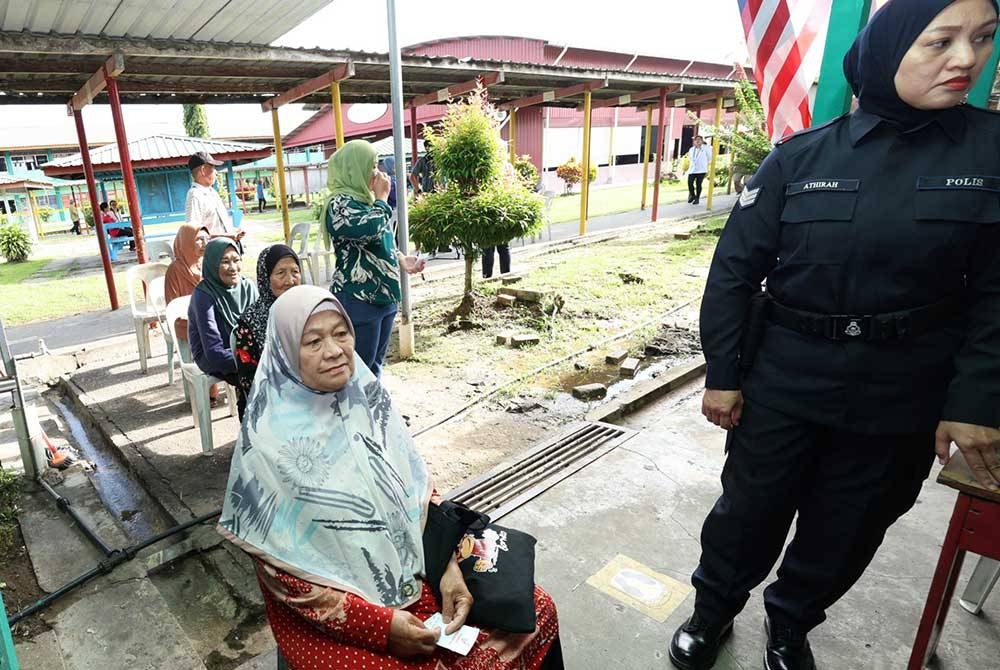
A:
(158, 147)
(235, 21)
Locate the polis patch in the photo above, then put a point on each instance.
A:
(829, 184)
(959, 182)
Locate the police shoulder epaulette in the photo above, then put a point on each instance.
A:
(812, 129)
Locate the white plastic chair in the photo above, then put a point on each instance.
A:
(156, 296)
(156, 249)
(196, 382)
(982, 581)
(145, 314)
(298, 240)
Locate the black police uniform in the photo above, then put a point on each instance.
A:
(897, 235)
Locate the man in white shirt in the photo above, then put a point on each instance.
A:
(699, 156)
(203, 207)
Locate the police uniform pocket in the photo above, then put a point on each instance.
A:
(820, 200)
(958, 199)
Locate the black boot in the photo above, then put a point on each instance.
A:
(787, 649)
(695, 645)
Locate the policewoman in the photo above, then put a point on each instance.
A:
(878, 235)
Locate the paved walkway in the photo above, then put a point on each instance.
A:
(81, 329)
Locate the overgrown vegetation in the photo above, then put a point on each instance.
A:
(750, 140)
(10, 491)
(479, 206)
(526, 171)
(15, 243)
(195, 121)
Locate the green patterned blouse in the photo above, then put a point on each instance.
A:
(365, 247)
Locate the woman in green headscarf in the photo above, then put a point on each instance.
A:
(359, 221)
(216, 305)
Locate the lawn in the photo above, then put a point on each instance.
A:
(604, 288)
(612, 200)
(52, 295)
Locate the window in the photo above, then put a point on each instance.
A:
(40, 160)
(47, 201)
(18, 163)
(3, 164)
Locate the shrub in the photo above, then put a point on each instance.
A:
(15, 243)
(46, 213)
(571, 172)
(526, 171)
(477, 207)
(10, 492)
(318, 204)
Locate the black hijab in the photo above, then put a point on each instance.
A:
(873, 60)
(256, 315)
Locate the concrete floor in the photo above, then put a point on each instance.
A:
(647, 500)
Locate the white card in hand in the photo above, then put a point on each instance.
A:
(460, 642)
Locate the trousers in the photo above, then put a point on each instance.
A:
(372, 328)
(503, 250)
(847, 489)
(695, 180)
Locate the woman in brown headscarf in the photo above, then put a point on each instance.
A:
(184, 272)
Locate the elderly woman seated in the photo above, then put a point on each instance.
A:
(329, 495)
(216, 304)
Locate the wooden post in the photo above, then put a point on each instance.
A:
(338, 113)
(95, 207)
(645, 154)
(715, 151)
(661, 127)
(131, 194)
(585, 190)
(280, 175)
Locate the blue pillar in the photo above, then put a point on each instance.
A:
(6, 159)
(104, 194)
(234, 206)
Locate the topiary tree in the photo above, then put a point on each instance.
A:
(571, 172)
(15, 243)
(195, 121)
(480, 204)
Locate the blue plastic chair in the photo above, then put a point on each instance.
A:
(8, 659)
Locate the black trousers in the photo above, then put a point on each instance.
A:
(504, 252)
(241, 399)
(695, 180)
(260, 204)
(847, 489)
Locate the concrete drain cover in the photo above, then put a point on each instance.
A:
(510, 485)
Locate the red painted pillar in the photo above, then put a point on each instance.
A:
(660, 129)
(413, 138)
(95, 207)
(131, 195)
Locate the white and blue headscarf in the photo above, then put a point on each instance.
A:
(328, 487)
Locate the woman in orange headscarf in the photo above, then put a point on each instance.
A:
(184, 272)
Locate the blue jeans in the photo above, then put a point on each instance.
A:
(372, 328)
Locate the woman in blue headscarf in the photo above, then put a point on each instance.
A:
(877, 341)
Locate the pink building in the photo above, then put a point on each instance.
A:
(550, 135)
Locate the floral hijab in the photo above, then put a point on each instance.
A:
(326, 486)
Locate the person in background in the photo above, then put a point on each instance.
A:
(699, 156)
(503, 250)
(115, 210)
(359, 221)
(261, 200)
(278, 269)
(328, 495)
(74, 215)
(203, 207)
(107, 216)
(183, 275)
(388, 166)
(216, 305)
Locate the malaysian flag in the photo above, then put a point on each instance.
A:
(785, 39)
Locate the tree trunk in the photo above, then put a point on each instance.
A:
(469, 267)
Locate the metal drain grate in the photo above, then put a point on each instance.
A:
(510, 485)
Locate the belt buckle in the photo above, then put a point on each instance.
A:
(846, 327)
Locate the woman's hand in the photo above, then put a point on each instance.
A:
(380, 185)
(409, 637)
(723, 408)
(411, 264)
(979, 445)
(456, 601)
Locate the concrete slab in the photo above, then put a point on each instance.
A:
(127, 627)
(266, 661)
(647, 500)
(59, 551)
(41, 651)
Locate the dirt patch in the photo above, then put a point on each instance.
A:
(20, 588)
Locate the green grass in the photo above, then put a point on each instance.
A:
(51, 295)
(10, 491)
(597, 302)
(612, 200)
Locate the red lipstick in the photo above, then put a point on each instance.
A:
(959, 83)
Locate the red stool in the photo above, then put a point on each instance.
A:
(975, 527)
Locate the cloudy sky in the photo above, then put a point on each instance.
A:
(705, 30)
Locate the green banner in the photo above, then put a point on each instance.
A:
(833, 96)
